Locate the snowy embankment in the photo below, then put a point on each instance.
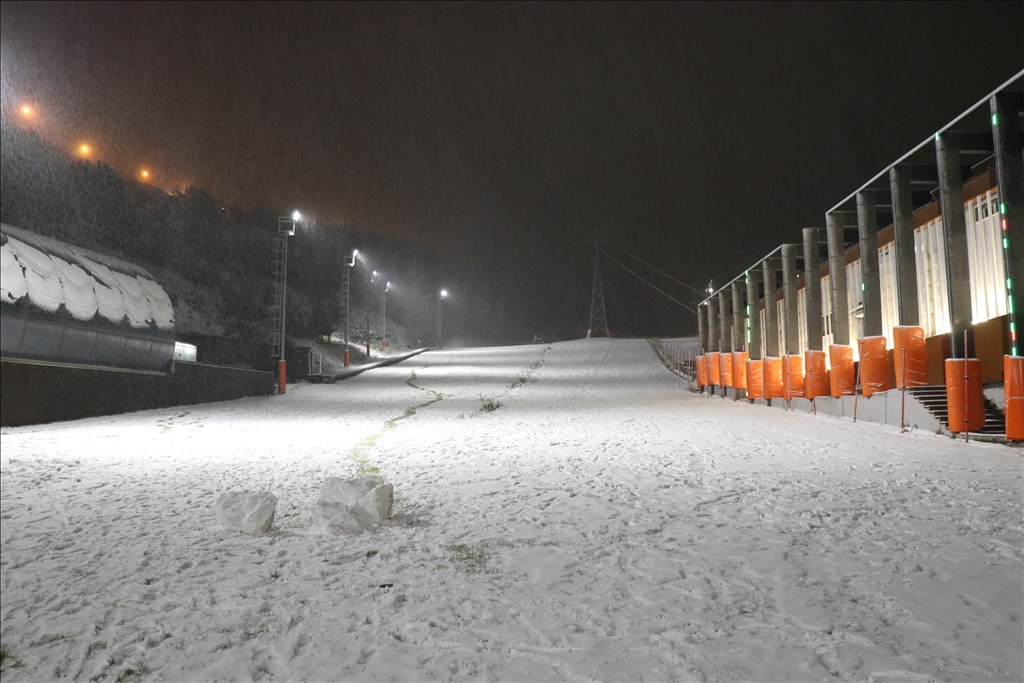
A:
(561, 512)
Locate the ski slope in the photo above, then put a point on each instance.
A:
(562, 512)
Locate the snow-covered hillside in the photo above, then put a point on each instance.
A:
(561, 512)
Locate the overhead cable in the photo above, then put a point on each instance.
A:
(656, 269)
(652, 286)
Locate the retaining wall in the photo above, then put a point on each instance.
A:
(34, 394)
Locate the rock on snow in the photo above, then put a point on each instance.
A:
(251, 512)
(354, 504)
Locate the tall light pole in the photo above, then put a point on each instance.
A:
(373, 280)
(440, 297)
(384, 316)
(285, 228)
(349, 264)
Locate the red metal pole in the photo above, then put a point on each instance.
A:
(282, 376)
(967, 403)
(903, 383)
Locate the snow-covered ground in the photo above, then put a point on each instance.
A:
(601, 523)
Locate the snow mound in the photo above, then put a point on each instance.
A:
(353, 504)
(251, 512)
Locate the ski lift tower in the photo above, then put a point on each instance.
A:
(598, 326)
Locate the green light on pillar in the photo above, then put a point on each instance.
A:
(1002, 208)
(1006, 243)
(863, 287)
(995, 119)
(936, 137)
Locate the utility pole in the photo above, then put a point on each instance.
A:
(598, 326)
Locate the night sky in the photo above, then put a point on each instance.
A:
(501, 133)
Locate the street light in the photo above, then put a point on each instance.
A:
(441, 297)
(285, 228)
(373, 279)
(349, 264)
(384, 316)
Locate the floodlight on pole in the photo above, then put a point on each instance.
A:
(285, 228)
(384, 316)
(442, 295)
(373, 279)
(349, 265)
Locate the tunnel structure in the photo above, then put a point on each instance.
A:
(68, 306)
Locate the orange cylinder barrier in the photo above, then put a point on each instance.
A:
(282, 376)
(974, 402)
(702, 371)
(725, 367)
(816, 380)
(792, 377)
(908, 342)
(739, 369)
(755, 379)
(714, 376)
(772, 378)
(842, 377)
(1013, 388)
(874, 365)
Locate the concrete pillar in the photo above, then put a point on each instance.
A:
(1010, 174)
(906, 264)
(771, 322)
(739, 316)
(789, 307)
(954, 227)
(725, 319)
(812, 277)
(867, 227)
(837, 278)
(754, 303)
(702, 327)
(714, 339)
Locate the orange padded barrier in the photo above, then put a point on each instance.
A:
(755, 379)
(702, 371)
(911, 339)
(816, 381)
(713, 370)
(955, 395)
(725, 363)
(1013, 387)
(841, 377)
(874, 366)
(739, 369)
(792, 377)
(772, 378)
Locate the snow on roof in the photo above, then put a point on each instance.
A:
(51, 275)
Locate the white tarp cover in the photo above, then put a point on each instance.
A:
(85, 289)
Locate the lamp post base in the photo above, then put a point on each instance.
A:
(346, 358)
(282, 376)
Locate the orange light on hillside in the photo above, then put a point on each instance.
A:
(27, 112)
(84, 150)
(145, 175)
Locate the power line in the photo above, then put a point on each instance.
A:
(656, 269)
(652, 286)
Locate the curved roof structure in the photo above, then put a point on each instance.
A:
(67, 305)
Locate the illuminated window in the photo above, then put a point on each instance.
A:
(985, 258)
(932, 288)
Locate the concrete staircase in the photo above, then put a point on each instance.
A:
(934, 399)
